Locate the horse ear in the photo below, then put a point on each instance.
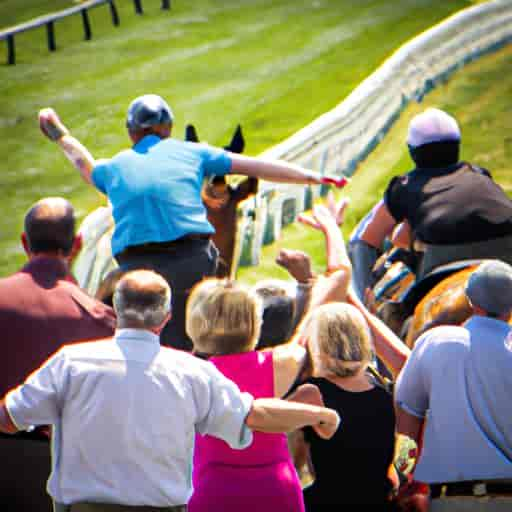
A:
(237, 143)
(190, 133)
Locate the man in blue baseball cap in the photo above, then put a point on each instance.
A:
(454, 394)
(148, 110)
(155, 191)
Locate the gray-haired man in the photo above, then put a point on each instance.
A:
(125, 411)
(457, 384)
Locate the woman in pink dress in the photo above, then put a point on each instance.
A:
(223, 321)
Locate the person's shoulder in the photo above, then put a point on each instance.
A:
(97, 348)
(321, 382)
(184, 362)
(92, 305)
(185, 147)
(397, 186)
(289, 352)
(402, 180)
(382, 393)
(203, 148)
(443, 338)
(12, 280)
(119, 157)
(482, 171)
(19, 284)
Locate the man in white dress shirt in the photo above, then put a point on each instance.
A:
(125, 411)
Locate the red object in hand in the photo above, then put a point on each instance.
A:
(337, 182)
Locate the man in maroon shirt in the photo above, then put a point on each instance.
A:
(41, 309)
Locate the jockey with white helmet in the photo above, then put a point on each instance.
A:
(453, 208)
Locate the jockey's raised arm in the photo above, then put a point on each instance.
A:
(72, 148)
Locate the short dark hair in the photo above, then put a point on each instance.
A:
(278, 319)
(50, 226)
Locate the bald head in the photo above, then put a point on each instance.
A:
(142, 300)
(50, 226)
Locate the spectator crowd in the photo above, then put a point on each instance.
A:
(178, 388)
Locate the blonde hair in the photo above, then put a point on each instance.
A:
(223, 317)
(341, 341)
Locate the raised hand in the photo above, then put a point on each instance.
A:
(51, 125)
(336, 209)
(321, 219)
(297, 263)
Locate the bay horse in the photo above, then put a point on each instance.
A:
(221, 200)
(443, 304)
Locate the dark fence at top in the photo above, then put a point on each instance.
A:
(50, 19)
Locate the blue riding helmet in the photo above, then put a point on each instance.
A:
(148, 110)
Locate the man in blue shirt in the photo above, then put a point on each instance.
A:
(155, 191)
(456, 385)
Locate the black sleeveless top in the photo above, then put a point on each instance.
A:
(453, 205)
(351, 467)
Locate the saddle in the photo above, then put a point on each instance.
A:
(397, 295)
(421, 287)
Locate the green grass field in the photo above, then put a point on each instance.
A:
(480, 98)
(273, 65)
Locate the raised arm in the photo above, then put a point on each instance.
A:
(73, 149)
(380, 225)
(388, 346)
(298, 265)
(339, 269)
(273, 170)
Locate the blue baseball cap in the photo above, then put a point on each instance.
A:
(148, 110)
(490, 287)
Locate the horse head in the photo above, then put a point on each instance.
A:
(237, 144)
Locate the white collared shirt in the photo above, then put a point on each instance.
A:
(125, 412)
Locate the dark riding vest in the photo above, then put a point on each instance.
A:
(458, 212)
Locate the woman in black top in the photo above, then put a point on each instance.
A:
(351, 468)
